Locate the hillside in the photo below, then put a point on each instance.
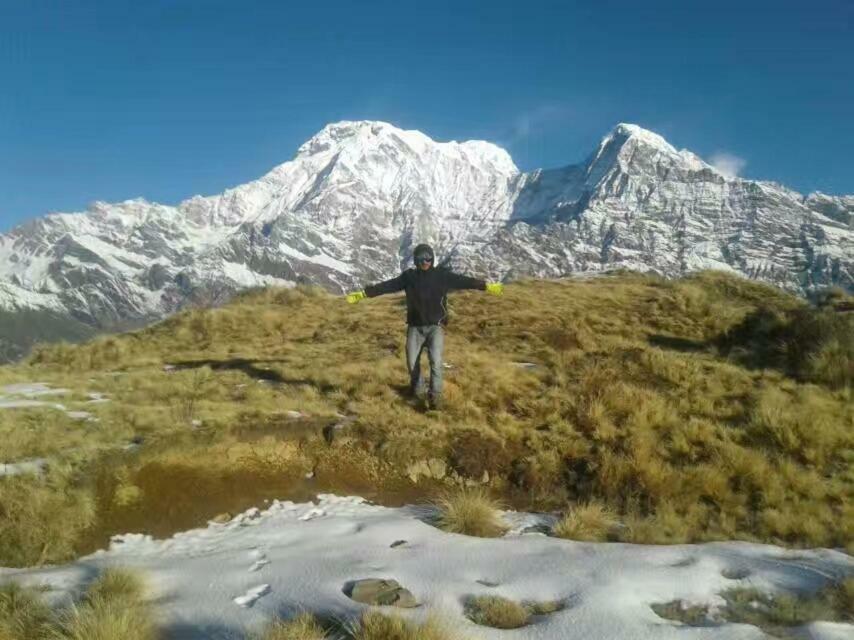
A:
(670, 403)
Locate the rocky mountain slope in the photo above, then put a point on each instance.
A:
(358, 196)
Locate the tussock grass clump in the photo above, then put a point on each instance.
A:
(117, 585)
(305, 626)
(23, 615)
(545, 607)
(42, 518)
(497, 612)
(835, 602)
(472, 512)
(773, 613)
(589, 522)
(374, 625)
(815, 344)
(114, 607)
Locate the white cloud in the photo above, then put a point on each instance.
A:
(727, 163)
(539, 119)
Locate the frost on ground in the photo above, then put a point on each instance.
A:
(30, 465)
(22, 396)
(219, 582)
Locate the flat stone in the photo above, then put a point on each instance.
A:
(381, 592)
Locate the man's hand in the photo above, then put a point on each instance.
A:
(495, 288)
(354, 297)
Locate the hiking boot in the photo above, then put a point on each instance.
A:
(435, 402)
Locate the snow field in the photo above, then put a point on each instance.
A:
(227, 579)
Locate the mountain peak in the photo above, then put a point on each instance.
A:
(625, 131)
(336, 134)
(356, 135)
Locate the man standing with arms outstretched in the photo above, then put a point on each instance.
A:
(426, 290)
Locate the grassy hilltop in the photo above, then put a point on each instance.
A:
(705, 408)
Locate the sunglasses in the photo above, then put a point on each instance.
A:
(423, 260)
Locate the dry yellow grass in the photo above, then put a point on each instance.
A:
(41, 519)
(470, 511)
(590, 522)
(113, 607)
(303, 627)
(23, 615)
(668, 402)
(497, 612)
(374, 625)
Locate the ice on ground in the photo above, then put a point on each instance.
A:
(81, 415)
(31, 465)
(20, 396)
(32, 389)
(16, 403)
(207, 583)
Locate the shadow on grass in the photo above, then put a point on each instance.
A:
(252, 368)
(676, 343)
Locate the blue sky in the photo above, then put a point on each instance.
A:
(165, 99)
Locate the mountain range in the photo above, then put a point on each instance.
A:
(358, 196)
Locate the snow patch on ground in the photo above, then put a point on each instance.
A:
(31, 465)
(223, 580)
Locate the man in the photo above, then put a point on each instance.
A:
(426, 290)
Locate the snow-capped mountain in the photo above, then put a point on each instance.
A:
(357, 197)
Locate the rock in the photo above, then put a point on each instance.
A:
(380, 592)
(433, 468)
(397, 543)
(222, 518)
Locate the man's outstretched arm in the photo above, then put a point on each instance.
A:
(381, 288)
(459, 281)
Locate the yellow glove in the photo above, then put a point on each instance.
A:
(354, 297)
(495, 288)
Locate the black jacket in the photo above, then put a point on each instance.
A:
(426, 292)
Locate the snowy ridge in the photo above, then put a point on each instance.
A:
(226, 579)
(358, 196)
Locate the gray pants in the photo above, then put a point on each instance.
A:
(417, 338)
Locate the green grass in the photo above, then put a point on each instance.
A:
(669, 403)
